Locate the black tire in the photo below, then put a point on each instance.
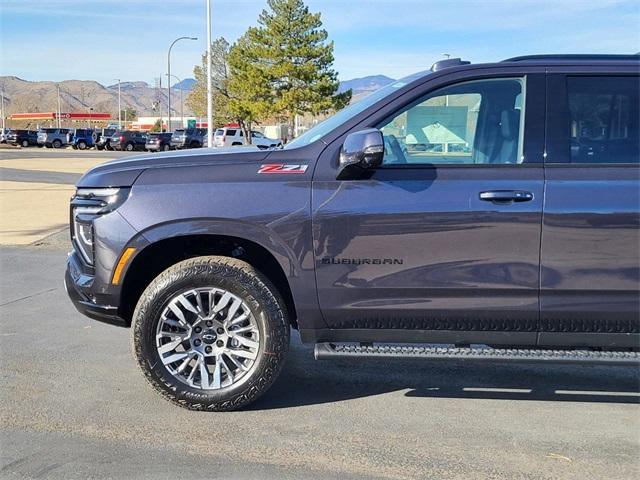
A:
(239, 278)
(56, 144)
(100, 147)
(108, 147)
(166, 148)
(236, 144)
(82, 145)
(129, 147)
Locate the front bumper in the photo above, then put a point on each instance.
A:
(79, 285)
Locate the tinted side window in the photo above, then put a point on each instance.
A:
(477, 122)
(231, 132)
(603, 119)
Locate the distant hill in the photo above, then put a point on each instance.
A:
(361, 87)
(185, 85)
(82, 95)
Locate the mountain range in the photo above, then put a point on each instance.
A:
(83, 95)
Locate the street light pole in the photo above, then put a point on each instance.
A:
(209, 99)
(119, 108)
(181, 102)
(2, 109)
(58, 113)
(169, 73)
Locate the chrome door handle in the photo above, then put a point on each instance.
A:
(506, 196)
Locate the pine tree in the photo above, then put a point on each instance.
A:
(250, 96)
(290, 61)
(197, 99)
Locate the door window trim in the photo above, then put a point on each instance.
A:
(534, 118)
(434, 94)
(558, 117)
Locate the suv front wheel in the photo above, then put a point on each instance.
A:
(210, 333)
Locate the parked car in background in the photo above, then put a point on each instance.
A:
(158, 142)
(128, 140)
(231, 137)
(54, 137)
(24, 138)
(188, 138)
(4, 132)
(83, 138)
(103, 138)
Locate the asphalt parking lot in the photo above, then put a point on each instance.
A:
(73, 404)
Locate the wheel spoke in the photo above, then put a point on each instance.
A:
(247, 342)
(193, 371)
(184, 364)
(204, 374)
(173, 323)
(200, 307)
(248, 328)
(235, 305)
(217, 373)
(243, 353)
(178, 313)
(236, 363)
(174, 358)
(167, 347)
(237, 321)
(224, 300)
(187, 304)
(230, 375)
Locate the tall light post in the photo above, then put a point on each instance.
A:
(2, 108)
(58, 112)
(169, 73)
(181, 102)
(119, 109)
(209, 99)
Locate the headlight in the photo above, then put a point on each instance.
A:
(87, 205)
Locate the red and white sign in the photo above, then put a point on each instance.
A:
(282, 168)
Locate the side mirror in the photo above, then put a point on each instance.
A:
(363, 150)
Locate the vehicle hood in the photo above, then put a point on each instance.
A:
(123, 172)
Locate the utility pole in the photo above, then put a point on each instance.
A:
(181, 101)
(209, 99)
(2, 107)
(169, 73)
(58, 112)
(119, 108)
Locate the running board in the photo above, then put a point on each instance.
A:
(324, 351)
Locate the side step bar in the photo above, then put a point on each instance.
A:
(323, 351)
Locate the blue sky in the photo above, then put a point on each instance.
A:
(65, 39)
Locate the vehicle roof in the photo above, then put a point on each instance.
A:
(544, 59)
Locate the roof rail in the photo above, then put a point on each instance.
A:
(447, 63)
(595, 57)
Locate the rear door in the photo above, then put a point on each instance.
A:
(442, 242)
(590, 257)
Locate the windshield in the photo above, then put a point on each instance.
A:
(337, 119)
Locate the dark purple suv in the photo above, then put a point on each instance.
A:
(483, 212)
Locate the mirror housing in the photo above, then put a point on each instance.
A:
(363, 149)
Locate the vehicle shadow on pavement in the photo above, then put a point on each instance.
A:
(305, 381)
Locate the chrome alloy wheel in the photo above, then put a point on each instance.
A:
(208, 338)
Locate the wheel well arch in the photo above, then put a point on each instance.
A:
(160, 255)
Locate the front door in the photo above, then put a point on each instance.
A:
(442, 242)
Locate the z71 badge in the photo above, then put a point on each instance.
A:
(282, 168)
